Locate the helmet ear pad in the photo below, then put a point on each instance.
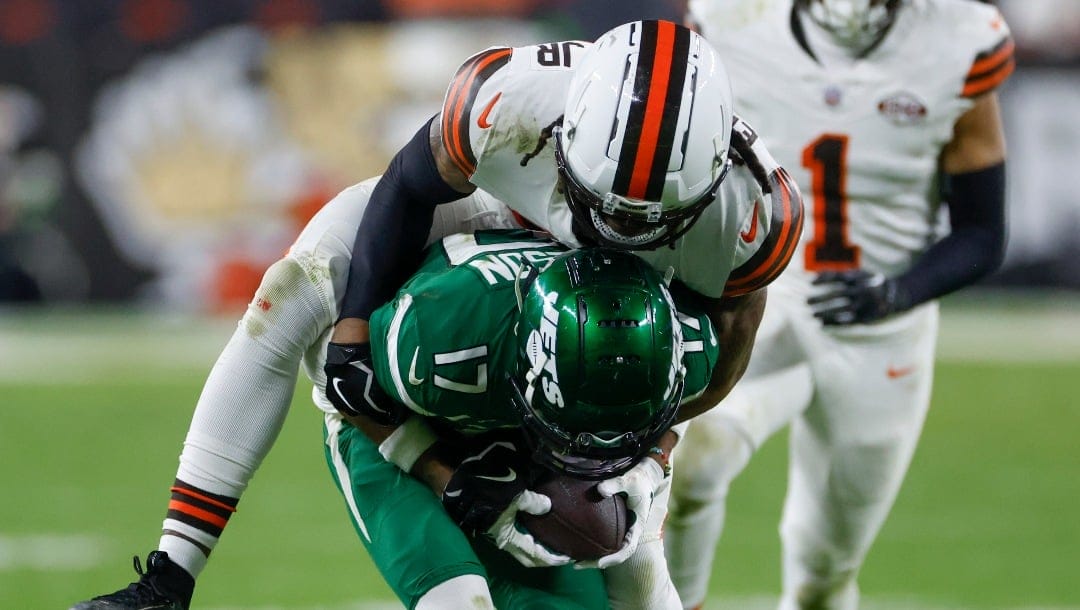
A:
(598, 375)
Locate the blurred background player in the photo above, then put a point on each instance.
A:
(877, 107)
(597, 143)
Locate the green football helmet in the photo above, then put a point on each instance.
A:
(599, 373)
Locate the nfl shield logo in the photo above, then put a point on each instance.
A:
(832, 95)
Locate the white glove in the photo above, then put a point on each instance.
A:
(640, 485)
(513, 539)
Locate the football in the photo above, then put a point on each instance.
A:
(582, 524)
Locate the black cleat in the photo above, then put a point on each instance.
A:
(164, 586)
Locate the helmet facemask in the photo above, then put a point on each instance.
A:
(602, 217)
(856, 24)
(599, 373)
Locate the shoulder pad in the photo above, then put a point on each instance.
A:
(782, 222)
(459, 100)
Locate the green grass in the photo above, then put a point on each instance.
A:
(987, 518)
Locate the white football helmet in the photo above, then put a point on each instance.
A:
(643, 144)
(855, 23)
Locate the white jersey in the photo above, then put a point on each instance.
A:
(865, 148)
(502, 101)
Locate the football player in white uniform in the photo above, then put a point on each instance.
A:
(627, 142)
(742, 242)
(876, 107)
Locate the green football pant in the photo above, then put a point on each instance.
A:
(416, 546)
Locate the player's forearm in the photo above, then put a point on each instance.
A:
(351, 330)
(736, 321)
(411, 446)
(661, 451)
(432, 469)
(974, 248)
(375, 431)
(395, 225)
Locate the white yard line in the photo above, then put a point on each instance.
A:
(51, 552)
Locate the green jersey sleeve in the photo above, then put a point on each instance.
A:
(701, 349)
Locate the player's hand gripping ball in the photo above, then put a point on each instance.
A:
(581, 523)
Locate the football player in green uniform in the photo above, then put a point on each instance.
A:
(505, 357)
(456, 352)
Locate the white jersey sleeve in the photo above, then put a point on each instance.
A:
(746, 237)
(989, 52)
(496, 123)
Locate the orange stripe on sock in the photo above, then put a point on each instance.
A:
(198, 513)
(199, 496)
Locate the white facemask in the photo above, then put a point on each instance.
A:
(854, 23)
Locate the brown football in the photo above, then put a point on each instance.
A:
(581, 524)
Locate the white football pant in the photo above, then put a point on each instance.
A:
(856, 398)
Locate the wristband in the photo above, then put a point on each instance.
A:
(406, 444)
(664, 460)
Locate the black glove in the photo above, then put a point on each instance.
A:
(484, 485)
(856, 297)
(352, 388)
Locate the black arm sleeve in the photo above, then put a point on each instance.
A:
(974, 247)
(395, 226)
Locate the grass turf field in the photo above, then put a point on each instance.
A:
(94, 407)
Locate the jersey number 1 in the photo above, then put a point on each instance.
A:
(829, 250)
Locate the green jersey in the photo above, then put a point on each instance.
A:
(444, 346)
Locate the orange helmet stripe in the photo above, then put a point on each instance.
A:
(653, 116)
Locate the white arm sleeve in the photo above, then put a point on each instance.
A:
(248, 392)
